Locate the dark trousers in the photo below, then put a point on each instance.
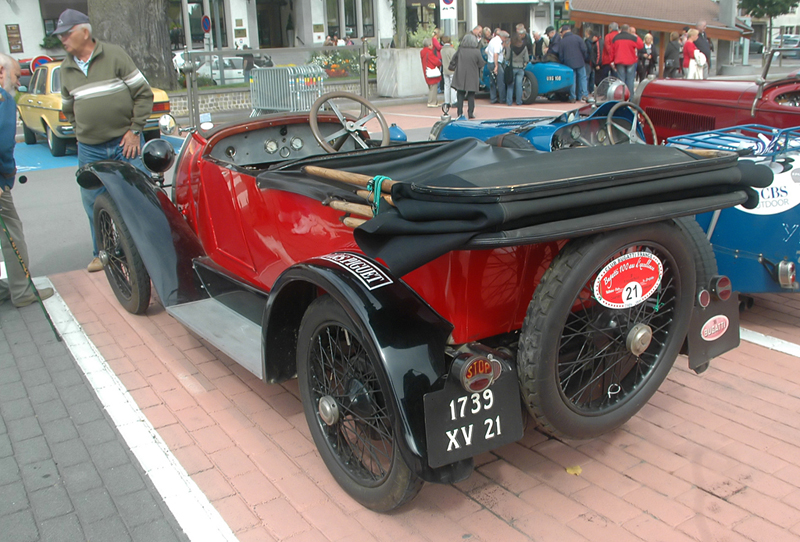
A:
(605, 71)
(470, 103)
(590, 72)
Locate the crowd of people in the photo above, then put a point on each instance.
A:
(621, 53)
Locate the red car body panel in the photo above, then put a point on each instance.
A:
(679, 107)
(485, 293)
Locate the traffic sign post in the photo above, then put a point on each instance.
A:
(39, 60)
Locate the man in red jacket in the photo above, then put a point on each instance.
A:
(626, 54)
(607, 60)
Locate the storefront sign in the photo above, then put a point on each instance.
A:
(14, 38)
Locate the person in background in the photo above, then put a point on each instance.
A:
(105, 98)
(540, 49)
(518, 55)
(553, 49)
(673, 57)
(448, 51)
(18, 288)
(607, 56)
(626, 47)
(487, 37)
(328, 42)
(705, 45)
(436, 40)
(593, 64)
(248, 64)
(431, 62)
(466, 79)
(648, 58)
(691, 54)
(526, 38)
(572, 53)
(495, 56)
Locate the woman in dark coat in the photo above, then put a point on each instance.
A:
(673, 57)
(648, 58)
(466, 79)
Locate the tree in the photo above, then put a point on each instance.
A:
(768, 8)
(141, 28)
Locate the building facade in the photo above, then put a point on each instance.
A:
(276, 23)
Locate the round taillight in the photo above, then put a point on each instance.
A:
(704, 298)
(476, 373)
(721, 287)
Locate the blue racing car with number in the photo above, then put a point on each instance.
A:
(549, 79)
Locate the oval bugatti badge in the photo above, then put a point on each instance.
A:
(715, 327)
(628, 280)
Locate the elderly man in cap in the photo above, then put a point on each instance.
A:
(105, 98)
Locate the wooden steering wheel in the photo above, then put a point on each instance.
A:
(350, 129)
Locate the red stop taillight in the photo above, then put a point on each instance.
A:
(721, 287)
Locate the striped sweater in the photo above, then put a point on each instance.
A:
(113, 98)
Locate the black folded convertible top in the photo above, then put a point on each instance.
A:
(448, 194)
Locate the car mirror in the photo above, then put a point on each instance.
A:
(167, 125)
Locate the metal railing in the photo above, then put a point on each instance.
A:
(289, 88)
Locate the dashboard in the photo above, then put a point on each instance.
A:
(591, 132)
(264, 146)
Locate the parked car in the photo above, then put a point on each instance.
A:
(756, 47)
(413, 290)
(681, 106)
(40, 110)
(232, 66)
(549, 79)
(757, 247)
(607, 122)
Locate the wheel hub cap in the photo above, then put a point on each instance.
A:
(328, 410)
(103, 255)
(639, 338)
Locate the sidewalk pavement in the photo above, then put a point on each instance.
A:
(65, 471)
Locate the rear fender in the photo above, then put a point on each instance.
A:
(165, 242)
(551, 76)
(409, 339)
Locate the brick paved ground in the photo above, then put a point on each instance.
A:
(711, 457)
(65, 473)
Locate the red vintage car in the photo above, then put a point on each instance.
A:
(424, 294)
(679, 106)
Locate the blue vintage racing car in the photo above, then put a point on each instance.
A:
(549, 79)
(607, 122)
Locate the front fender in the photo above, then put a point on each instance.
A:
(165, 242)
(408, 336)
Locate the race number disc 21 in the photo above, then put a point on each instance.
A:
(628, 280)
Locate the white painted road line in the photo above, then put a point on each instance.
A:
(195, 514)
(767, 341)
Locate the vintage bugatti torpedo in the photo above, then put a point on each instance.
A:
(425, 295)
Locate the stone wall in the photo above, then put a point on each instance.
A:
(229, 99)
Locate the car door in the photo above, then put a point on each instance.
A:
(27, 104)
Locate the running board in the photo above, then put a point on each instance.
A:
(235, 335)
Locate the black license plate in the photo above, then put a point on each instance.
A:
(460, 425)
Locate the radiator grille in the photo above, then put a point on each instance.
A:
(680, 121)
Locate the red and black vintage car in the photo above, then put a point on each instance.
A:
(425, 295)
(680, 106)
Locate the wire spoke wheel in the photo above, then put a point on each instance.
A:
(121, 260)
(362, 435)
(587, 365)
(350, 416)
